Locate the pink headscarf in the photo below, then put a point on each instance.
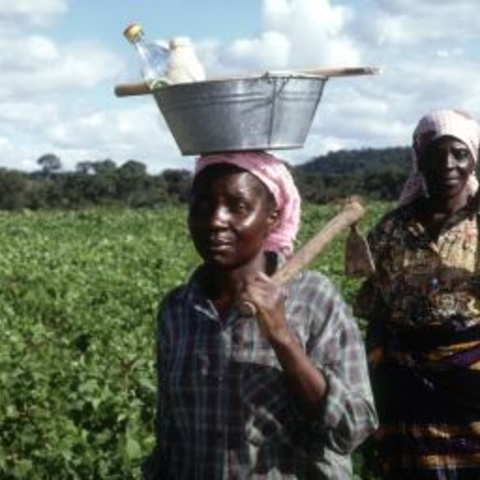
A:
(432, 126)
(274, 174)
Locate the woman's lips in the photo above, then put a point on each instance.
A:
(219, 244)
(448, 180)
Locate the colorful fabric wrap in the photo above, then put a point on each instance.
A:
(429, 411)
(423, 343)
(274, 174)
(432, 126)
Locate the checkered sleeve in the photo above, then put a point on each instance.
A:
(336, 348)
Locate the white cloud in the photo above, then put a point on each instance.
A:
(20, 14)
(48, 101)
(129, 133)
(27, 52)
(410, 22)
(269, 50)
(295, 34)
(21, 114)
(35, 65)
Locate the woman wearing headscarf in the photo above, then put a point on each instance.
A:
(423, 307)
(282, 395)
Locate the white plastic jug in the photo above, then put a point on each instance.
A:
(183, 65)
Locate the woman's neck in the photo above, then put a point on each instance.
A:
(222, 285)
(444, 205)
(433, 212)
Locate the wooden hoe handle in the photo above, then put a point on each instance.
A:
(350, 215)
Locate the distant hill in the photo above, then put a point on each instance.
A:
(358, 161)
(374, 173)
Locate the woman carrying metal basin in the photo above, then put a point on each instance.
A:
(278, 390)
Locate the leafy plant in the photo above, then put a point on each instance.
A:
(78, 299)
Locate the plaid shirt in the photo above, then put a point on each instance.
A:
(224, 409)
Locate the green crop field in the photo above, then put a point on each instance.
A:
(78, 297)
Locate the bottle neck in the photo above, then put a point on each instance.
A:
(138, 38)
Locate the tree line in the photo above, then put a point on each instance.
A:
(370, 173)
(91, 184)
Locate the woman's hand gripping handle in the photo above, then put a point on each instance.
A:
(351, 214)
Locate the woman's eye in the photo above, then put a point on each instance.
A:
(199, 206)
(460, 153)
(239, 206)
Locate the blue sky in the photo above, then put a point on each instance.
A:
(168, 19)
(60, 59)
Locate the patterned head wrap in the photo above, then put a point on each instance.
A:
(432, 126)
(273, 173)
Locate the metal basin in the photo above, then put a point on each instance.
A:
(254, 113)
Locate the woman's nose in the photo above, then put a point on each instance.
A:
(447, 159)
(451, 160)
(219, 216)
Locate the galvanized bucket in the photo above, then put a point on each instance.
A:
(272, 111)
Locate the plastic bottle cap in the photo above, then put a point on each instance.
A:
(132, 31)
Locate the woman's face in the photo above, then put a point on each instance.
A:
(446, 166)
(231, 213)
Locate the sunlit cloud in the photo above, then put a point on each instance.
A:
(19, 14)
(50, 100)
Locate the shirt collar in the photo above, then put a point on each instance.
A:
(194, 291)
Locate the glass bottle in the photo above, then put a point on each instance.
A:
(153, 57)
